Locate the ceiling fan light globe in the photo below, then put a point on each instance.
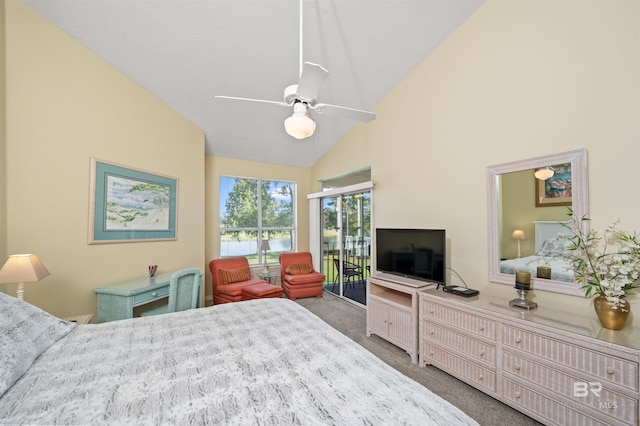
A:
(300, 126)
(544, 174)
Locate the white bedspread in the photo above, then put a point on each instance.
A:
(560, 268)
(266, 362)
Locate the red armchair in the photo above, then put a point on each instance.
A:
(228, 277)
(298, 277)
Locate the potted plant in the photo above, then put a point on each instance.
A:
(606, 265)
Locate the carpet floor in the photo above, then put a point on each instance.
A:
(350, 320)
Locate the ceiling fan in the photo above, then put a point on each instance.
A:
(302, 97)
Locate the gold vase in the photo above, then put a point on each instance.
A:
(613, 319)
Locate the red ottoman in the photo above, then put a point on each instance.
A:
(261, 291)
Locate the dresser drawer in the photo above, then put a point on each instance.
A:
(595, 395)
(478, 351)
(479, 376)
(460, 319)
(150, 295)
(551, 409)
(590, 362)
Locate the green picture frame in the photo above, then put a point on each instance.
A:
(131, 205)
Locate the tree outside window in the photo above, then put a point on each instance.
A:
(252, 210)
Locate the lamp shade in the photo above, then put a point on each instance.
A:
(518, 234)
(299, 125)
(543, 174)
(22, 268)
(265, 245)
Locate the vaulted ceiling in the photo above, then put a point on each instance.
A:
(186, 52)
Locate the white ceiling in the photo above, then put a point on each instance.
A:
(187, 51)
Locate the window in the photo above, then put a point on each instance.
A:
(252, 210)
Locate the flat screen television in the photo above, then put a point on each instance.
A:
(413, 253)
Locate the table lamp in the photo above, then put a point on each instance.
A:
(264, 247)
(22, 268)
(519, 235)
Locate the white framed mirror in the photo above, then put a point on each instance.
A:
(519, 203)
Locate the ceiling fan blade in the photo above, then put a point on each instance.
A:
(338, 111)
(312, 77)
(233, 98)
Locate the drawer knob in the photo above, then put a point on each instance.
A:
(431, 311)
(517, 367)
(518, 340)
(517, 394)
(154, 294)
(482, 353)
(433, 332)
(481, 377)
(610, 371)
(481, 328)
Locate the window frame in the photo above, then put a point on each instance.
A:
(261, 230)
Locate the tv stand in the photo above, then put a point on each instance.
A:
(392, 310)
(401, 279)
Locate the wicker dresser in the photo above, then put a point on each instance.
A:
(556, 368)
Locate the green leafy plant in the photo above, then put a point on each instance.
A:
(607, 264)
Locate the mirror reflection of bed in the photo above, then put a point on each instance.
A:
(552, 241)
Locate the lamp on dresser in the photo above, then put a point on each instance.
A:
(22, 268)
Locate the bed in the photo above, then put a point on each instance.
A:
(266, 361)
(552, 241)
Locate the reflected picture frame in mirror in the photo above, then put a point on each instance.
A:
(580, 206)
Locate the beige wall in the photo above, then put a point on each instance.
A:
(64, 105)
(518, 79)
(3, 137)
(349, 155)
(220, 166)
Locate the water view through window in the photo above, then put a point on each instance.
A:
(252, 210)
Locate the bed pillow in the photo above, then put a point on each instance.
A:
(229, 276)
(557, 246)
(299, 269)
(25, 332)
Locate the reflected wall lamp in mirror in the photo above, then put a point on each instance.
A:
(497, 200)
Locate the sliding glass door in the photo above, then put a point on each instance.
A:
(346, 244)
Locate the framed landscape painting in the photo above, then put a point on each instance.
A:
(555, 191)
(130, 205)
